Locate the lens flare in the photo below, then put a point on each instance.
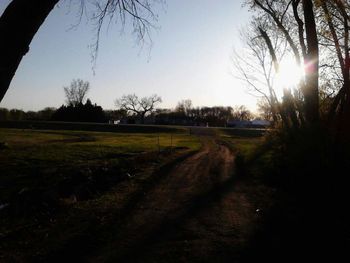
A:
(288, 76)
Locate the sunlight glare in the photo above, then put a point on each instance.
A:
(289, 75)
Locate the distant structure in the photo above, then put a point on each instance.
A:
(238, 124)
(257, 123)
(260, 123)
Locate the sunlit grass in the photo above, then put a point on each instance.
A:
(32, 149)
(245, 146)
(35, 159)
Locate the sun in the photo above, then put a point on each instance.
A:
(288, 76)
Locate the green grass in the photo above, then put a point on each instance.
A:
(33, 154)
(243, 145)
(253, 154)
(58, 183)
(69, 190)
(241, 132)
(96, 127)
(75, 146)
(245, 142)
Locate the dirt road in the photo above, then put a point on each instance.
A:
(195, 213)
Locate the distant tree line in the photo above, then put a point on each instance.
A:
(77, 108)
(89, 112)
(218, 116)
(19, 115)
(61, 114)
(131, 109)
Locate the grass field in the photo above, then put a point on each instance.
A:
(246, 144)
(86, 126)
(31, 153)
(66, 189)
(51, 178)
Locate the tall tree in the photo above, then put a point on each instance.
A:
(302, 38)
(311, 88)
(241, 113)
(335, 35)
(22, 19)
(258, 67)
(76, 92)
(139, 106)
(184, 106)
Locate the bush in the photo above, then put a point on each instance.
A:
(309, 212)
(80, 113)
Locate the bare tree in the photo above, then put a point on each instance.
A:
(139, 106)
(257, 68)
(23, 18)
(264, 110)
(184, 106)
(335, 38)
(302, 38)
(317, 33)
(76, 92)
(241, 113)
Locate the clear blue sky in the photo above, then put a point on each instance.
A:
(190, 58)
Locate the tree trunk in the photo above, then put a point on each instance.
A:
(300, 23)
(18, 25)
(143, 118)
(310, 90)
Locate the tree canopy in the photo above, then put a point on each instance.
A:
(77, 91)
(140, 106)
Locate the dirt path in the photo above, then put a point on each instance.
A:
(194, 214)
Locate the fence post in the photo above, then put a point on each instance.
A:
(171, 143)
(158, 145)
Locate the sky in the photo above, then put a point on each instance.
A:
(190, 58)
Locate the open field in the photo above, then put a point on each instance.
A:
(86, 126)
(29, 153)
(127, 128)
(48, 175)
(102, 196)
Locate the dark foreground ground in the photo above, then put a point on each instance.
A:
(190, 215)
(191, 207)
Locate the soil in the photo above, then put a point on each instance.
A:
(196, 213)
(193, 209)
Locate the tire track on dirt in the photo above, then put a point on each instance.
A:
(191, 215)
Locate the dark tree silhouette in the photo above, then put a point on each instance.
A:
(76, 92)
(22, 19)
(241, 113)
(311, 87)
(184, 107)
(87, 112)
(141, 107)
(217, 116)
